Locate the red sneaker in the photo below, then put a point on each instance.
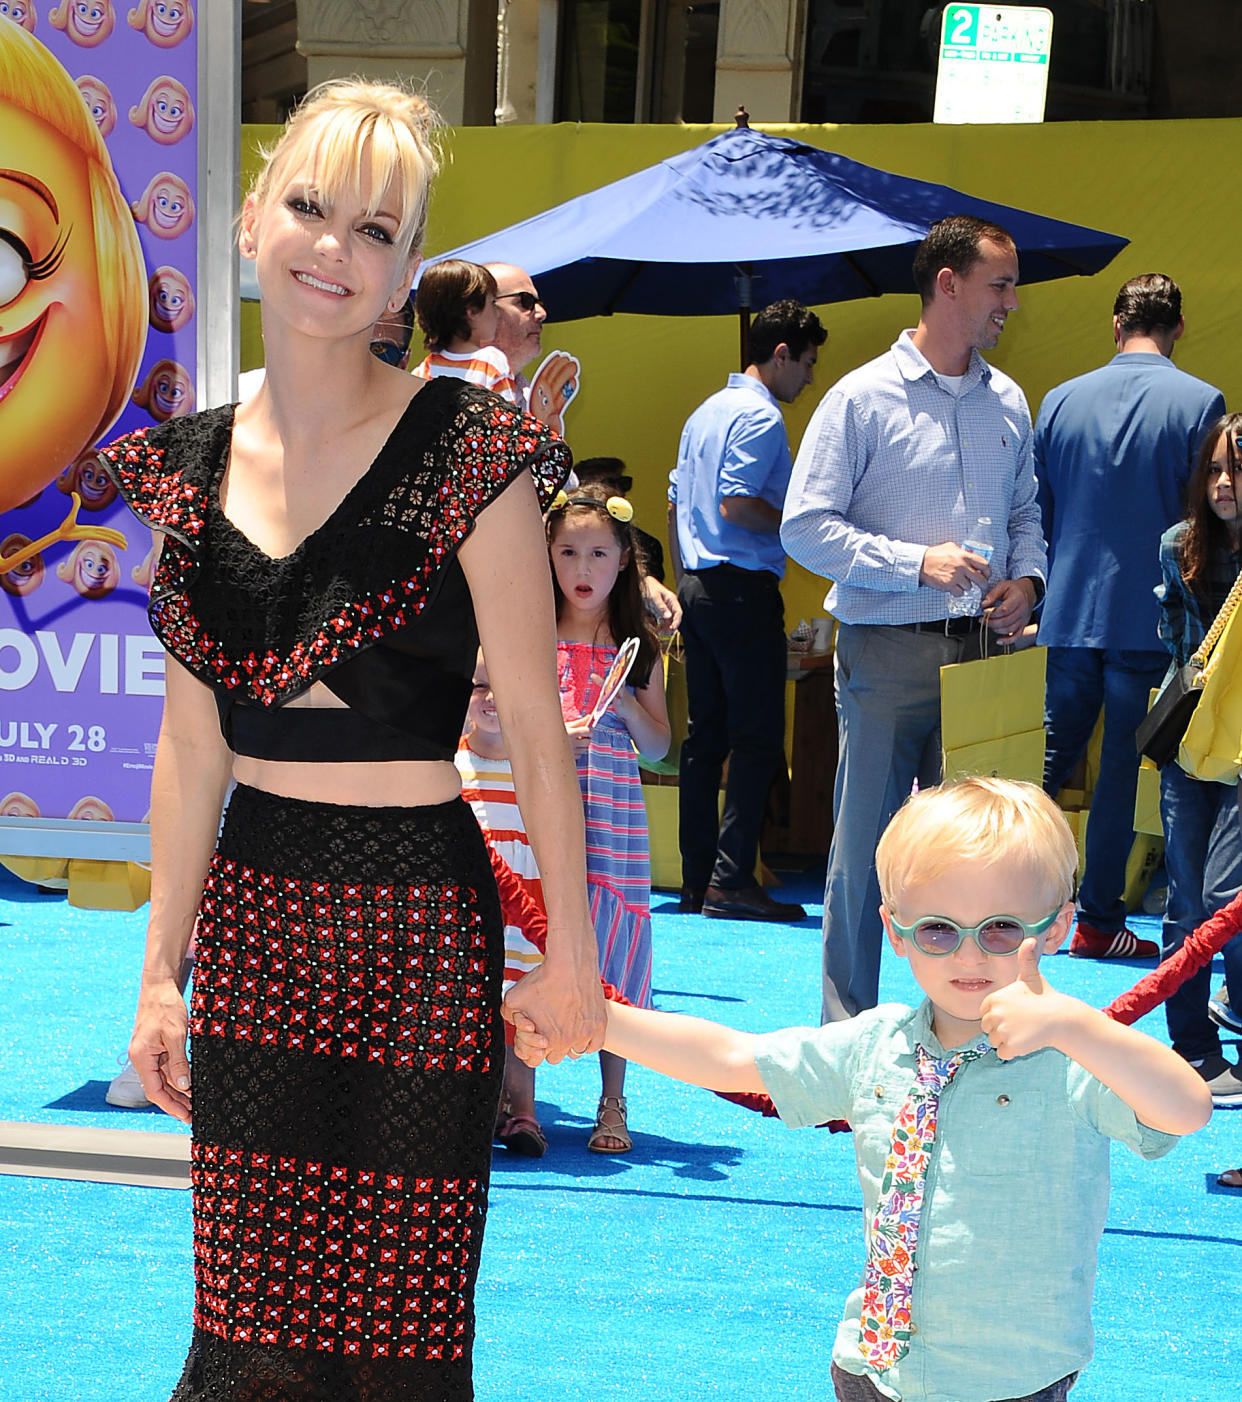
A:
(1090, 943)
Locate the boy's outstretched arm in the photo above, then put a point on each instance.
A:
(686, 1048)
(1165, 1092)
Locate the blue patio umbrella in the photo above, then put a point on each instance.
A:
(746, 219)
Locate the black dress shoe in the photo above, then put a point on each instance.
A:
(691, 901)
(749, 903)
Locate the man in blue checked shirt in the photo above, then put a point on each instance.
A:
(899, 461)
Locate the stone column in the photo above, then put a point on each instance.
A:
(526, 62)
(447, 47)
(759, 58)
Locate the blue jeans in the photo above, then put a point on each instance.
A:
(1080, 681)
(1203, 857)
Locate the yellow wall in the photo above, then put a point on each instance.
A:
(1167, 186)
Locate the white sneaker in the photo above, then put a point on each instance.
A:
(126, 1089)
(1220, 1011)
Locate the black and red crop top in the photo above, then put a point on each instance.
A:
(373, 603)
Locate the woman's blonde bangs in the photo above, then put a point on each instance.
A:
(353, 137)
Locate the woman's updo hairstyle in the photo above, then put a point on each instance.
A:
(349, 127)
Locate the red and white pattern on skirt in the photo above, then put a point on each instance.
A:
(297, 1254)
(345, 1041)
(342, 969)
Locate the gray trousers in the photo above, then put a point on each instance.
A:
(888, 720)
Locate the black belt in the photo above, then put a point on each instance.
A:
(766, 576)
(945, 627)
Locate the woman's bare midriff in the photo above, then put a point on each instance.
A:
(393, 784)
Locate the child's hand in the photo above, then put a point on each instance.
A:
(528, 1044)
(622, 705)
(579, 732)
(530, 1047)
(1026, 1014)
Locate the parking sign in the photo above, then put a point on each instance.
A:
(993, 63)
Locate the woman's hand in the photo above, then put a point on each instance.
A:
(157, 1048)
(563, 1005)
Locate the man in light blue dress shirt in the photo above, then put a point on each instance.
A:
(1114, 450)
(901, 458)
(725, 497)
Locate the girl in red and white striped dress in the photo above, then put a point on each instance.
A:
(487, 786)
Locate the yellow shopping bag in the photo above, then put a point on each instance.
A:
(1212, 745)
(992, 716)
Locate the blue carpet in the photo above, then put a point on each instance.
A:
(713, 1261)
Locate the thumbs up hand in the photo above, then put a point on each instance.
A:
(1026, 1014)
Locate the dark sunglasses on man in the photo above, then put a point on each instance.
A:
(528, 301)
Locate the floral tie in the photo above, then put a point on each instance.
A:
(894, 1231)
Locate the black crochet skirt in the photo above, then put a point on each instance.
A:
(347, 1054)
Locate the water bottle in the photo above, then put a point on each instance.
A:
(978, 542)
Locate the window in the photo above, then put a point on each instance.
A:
(637, 60)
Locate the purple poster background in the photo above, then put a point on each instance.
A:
(81, 677)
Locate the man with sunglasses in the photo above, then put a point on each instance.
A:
(519, 331)
(1114, 450)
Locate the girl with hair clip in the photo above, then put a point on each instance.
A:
(599, 604)
(1199, 561)
(333, 551)
(455, 305)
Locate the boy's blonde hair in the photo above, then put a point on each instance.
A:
(978, 821)
(341, 120)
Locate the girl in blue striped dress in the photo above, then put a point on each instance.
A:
(599, 604)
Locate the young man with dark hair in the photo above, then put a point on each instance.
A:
(956, 243)
(900, 460)
(725, 498)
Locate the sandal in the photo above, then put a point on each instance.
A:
(1231, 1178)
(614, 1107)
(521, 1134)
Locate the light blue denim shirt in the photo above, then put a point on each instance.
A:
(894, 461)
(1016, 1198)
(734, 444)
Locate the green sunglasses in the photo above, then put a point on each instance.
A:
(998, 934)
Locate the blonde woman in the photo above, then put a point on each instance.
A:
(334, 550)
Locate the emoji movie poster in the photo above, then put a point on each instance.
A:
(98, 273)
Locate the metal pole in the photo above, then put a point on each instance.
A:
(743, 283)
(219, 137)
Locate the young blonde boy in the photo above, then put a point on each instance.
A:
(982, 1118)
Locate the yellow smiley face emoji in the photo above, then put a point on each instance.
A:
(72, 286)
